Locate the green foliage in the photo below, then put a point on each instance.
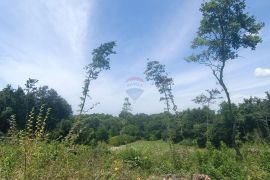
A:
(18, 102)
(131, 130)
(191, 129)
(135, 158)
(100, 62)
(142, 159)
(156, 72)
(219, 164)
(265, 161)
(30, 85)
(208, 99)
(12, 126)
(102, 134)
(126, 106)
(224, 29)
(50, 161)
(35, 126)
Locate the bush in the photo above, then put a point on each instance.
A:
(121, 140)
(219, 164)
(134, 158)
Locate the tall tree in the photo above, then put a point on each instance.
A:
(100, 61)
(126, 106)
(30, 91)
(30, 85)
(156, 72)
(224, 29)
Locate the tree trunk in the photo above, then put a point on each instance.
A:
(167, 101)
(85, 93)
(233, 121)
(207, 121)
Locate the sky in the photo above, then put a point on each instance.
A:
(52, 40)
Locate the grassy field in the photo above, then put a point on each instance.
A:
(31, 159)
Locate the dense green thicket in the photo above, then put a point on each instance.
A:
(20, 102)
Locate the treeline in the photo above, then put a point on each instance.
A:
(21, 101)
(191, 126)
(188, 127)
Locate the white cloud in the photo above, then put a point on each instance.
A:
(260, 72)
(70, 21)
(191, 77)
(48, 41)
(49, 44)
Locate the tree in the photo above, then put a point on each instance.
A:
(100, 61)
(156, 72)
(102, 134)
(207, 100)
(19, 103)
(7, 104)
(30, 85)
(126, 106)
(60, 107)
(30, 92)
(254, 115)
(224, 29)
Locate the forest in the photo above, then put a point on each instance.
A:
(42, 137)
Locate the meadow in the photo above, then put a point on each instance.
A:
(35, 159)
(43, 137)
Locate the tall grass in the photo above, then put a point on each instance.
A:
(54, 160)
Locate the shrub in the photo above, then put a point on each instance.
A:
(134, 158)
(219, 164)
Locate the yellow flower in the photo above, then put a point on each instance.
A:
(116, 169)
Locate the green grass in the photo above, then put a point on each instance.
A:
(27, 159)
(156, 147)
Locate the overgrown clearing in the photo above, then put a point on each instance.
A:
(41, 136)
(32, 159)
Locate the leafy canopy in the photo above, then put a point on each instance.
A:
(156, 72)
(225, 27)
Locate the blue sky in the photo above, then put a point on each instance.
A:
(52, 40)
